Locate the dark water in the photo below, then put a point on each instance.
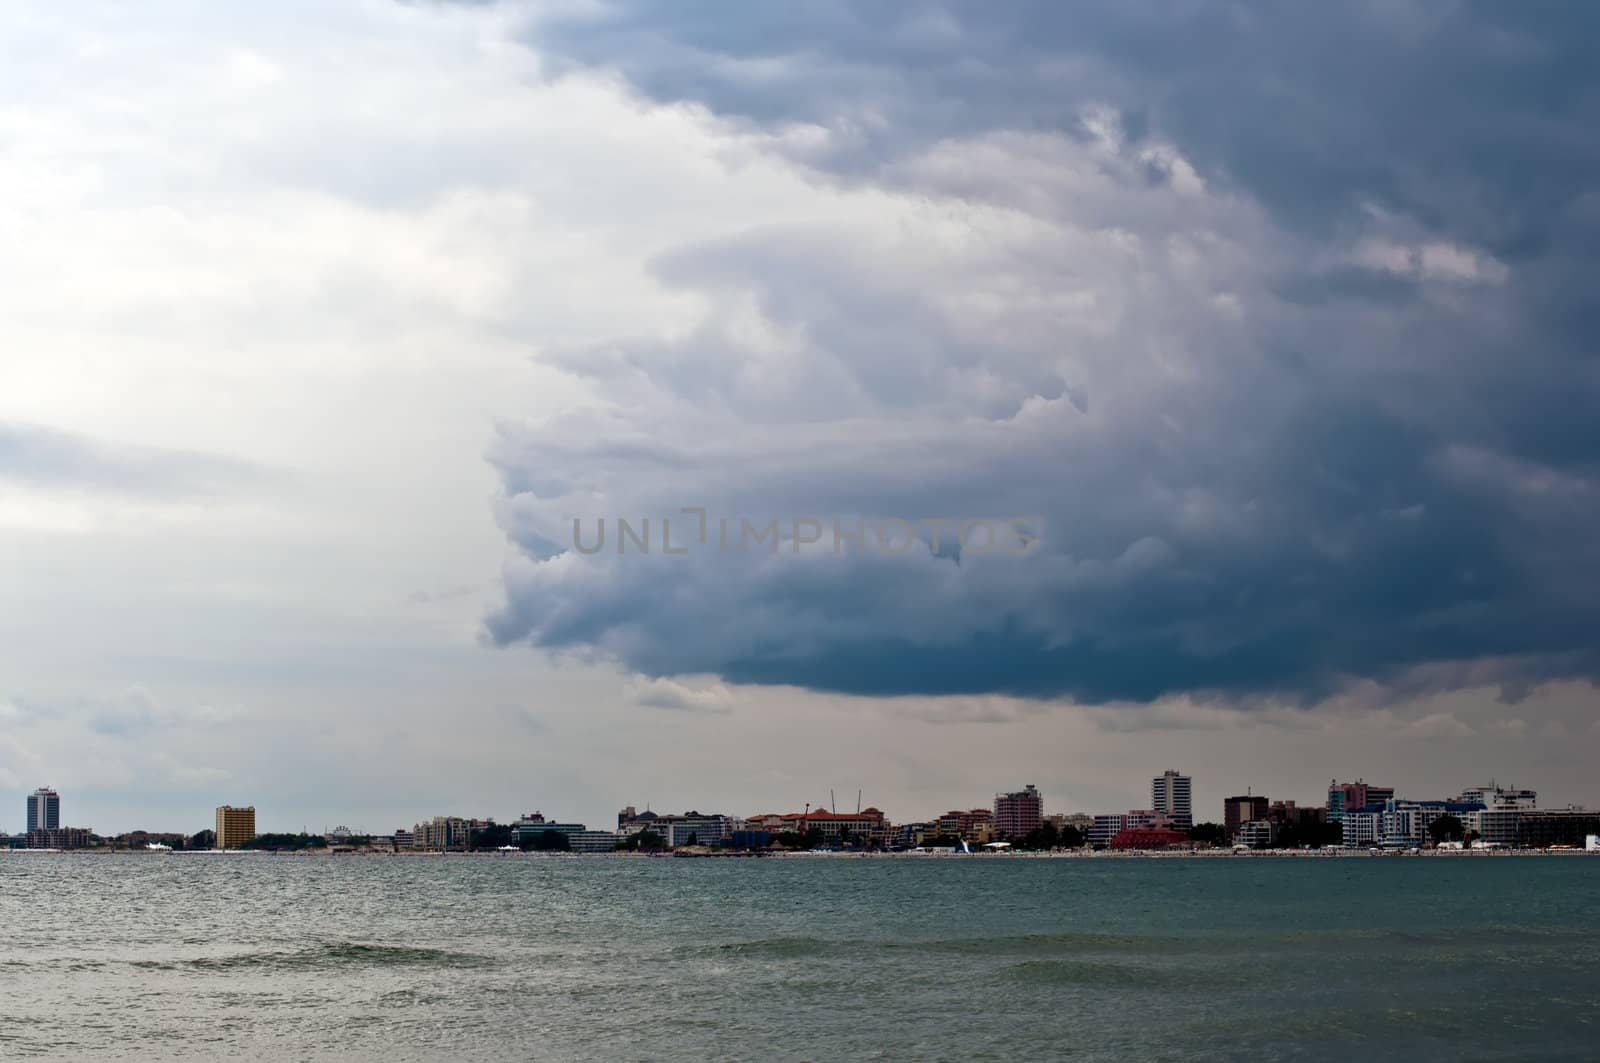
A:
(286, 958)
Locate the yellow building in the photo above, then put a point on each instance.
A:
(235, 826)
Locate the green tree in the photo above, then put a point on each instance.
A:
(290, 842)
(1041, 837)
(493, 836)
(553, 841)
(1208, 834)
(1308, 834)
(1447, 828)
(645, 840)
(789, 839)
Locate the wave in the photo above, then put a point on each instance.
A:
(322, 956)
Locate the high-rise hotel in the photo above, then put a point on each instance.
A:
(1171, 795)
(1017, 813)
(235, 826)
(44, 810)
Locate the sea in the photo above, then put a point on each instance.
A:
(543, 957)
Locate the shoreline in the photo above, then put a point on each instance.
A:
(1197, 854)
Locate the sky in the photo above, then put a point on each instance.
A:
(1213, 385)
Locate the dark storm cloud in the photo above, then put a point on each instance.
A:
(1295, 362)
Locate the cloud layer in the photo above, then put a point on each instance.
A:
(1273, 321)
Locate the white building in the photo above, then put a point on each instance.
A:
(1171, 795)
(1493, 796)
(593, 841)
(697, 828)
(44, 809)
(1108, 825)
(1256, 833)
(1403, 824)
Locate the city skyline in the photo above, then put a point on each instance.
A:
(1286, 364)
(1002, 808)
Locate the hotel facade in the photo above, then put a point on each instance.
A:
(235, 826)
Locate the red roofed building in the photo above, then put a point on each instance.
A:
(1150, 838)
(976, 825)
(869, 826)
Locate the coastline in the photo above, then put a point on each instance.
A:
(1197, 854)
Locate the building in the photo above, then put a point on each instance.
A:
(531, 829)
(44, 809)
(1237, 811)
(1255, 833)
(1284, 813)
(1354, 795)
(235, 826)
(1396, 824)
(1171, 794)
(1543, 827)
(1018, 813)
(975, 825)
(690, 828)
(1107, 825)
(403, 838)
(1493, 796)
(1499, 823)
(750, 839)
(868, 827)
(1149, 838)
(908, 835)
(593, 841)
(444, 834)
(59, 838)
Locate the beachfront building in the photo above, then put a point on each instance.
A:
(1351, 796)
(1287, 812)
(1499, 822)
(1255, 833)
(689, 828)
(1145, 838)
(59, 838)
(44, 809)
(1568, 827)
(1240, 810)
(974, 825)
(1107, 825)
(867, 827)
(444, 834)
(531, 828)
(1078, 821)
(1532, 828)
(911, 835)
(1493, 796)
(235, 826)
(1171, 794)
(593, 841)
(1018, 813)
(1396, 824)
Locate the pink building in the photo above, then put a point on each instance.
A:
(1017, 813)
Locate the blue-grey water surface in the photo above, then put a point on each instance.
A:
(261, 957)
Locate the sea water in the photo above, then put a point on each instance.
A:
(278, 957)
